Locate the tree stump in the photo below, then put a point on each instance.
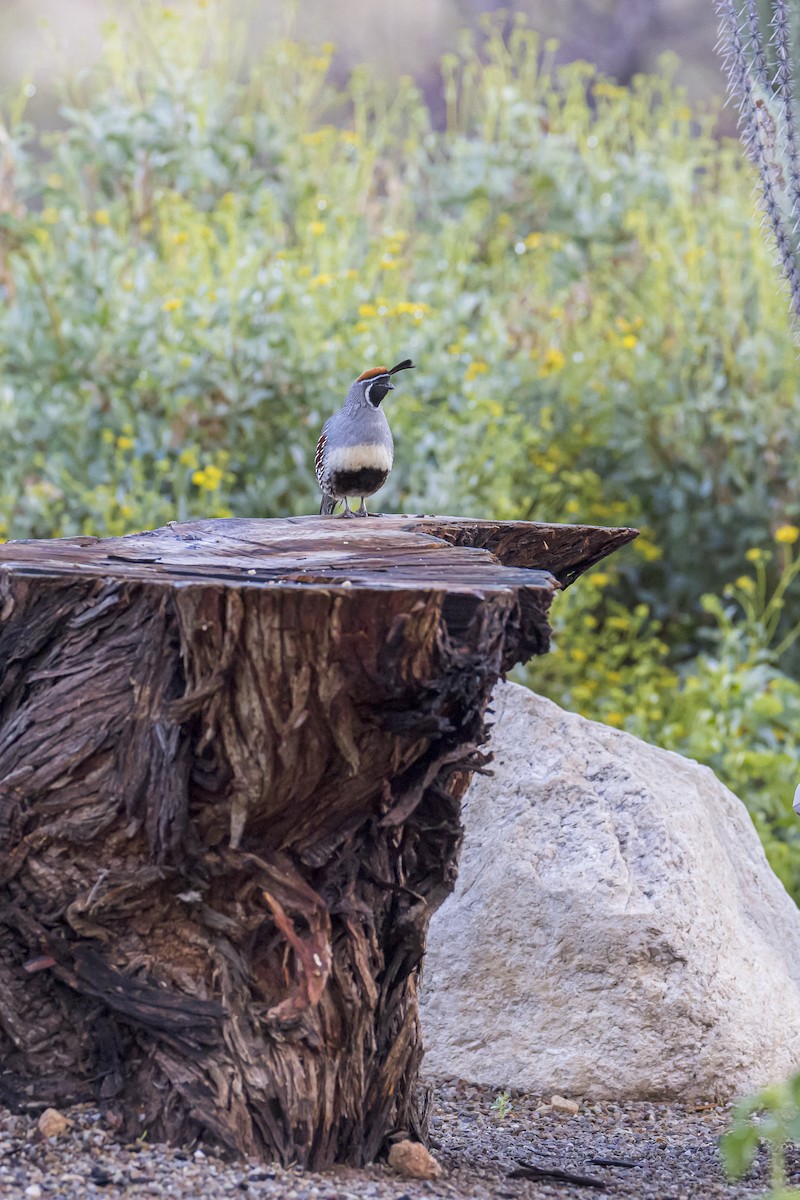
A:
(231, 759)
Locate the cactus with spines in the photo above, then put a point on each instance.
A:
(760, 42)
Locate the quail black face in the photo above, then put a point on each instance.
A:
(379, 388)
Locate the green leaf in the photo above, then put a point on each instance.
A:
(738, 1147)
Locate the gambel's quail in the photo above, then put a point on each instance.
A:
(355, 452)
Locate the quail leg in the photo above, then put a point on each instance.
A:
(362, 511)
(348, 512)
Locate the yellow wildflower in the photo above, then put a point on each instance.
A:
(316, 228)
(455, 348)
(647, 549)
(754, 554)
(321, 280)
(533, 240)
(50, 216)
(172, 305)
(189, 458)
(611, 91)
(615, 718)
(350, 137)
(745, 583)
(209, 478)
(474, 369)
(601, 578)
(367, 310)
(102, 217)
(411, 308)
(578, 654)
(107, 436)
(552, 362)
(180, 238)
(787, 535)
(124, 442)
(617, 623)
(629, 341)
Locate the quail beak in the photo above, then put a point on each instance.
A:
(389, 387)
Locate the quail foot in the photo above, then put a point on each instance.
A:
(355, 451)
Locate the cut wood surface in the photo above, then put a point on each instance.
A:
(379, 552)
(231, 760)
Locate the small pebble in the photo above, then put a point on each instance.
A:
(413, 1161)
(52, 1123)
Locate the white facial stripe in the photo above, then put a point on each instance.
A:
(371, 384)
(370, 455)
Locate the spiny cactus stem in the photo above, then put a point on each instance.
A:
(739, 80)
(767, 120)
(756, 44)
(784, 83)
(783, 242)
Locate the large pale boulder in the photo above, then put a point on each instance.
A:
(616, 930)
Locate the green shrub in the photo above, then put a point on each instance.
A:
(206, 262)
(772, 1116)
(731, 706)
(195, 265)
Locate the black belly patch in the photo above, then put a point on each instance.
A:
(357, 483)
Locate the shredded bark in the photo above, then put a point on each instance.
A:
(232, 756)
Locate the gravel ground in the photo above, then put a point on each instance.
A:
(672, 1150)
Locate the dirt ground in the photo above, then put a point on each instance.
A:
(643, 1150)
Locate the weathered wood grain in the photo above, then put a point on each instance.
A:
(231, 760)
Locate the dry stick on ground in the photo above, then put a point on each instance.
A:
(232, 755)
(527, 1170)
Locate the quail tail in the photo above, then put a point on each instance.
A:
(326, 509)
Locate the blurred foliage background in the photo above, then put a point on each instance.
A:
(207, 244)
(40, 38)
